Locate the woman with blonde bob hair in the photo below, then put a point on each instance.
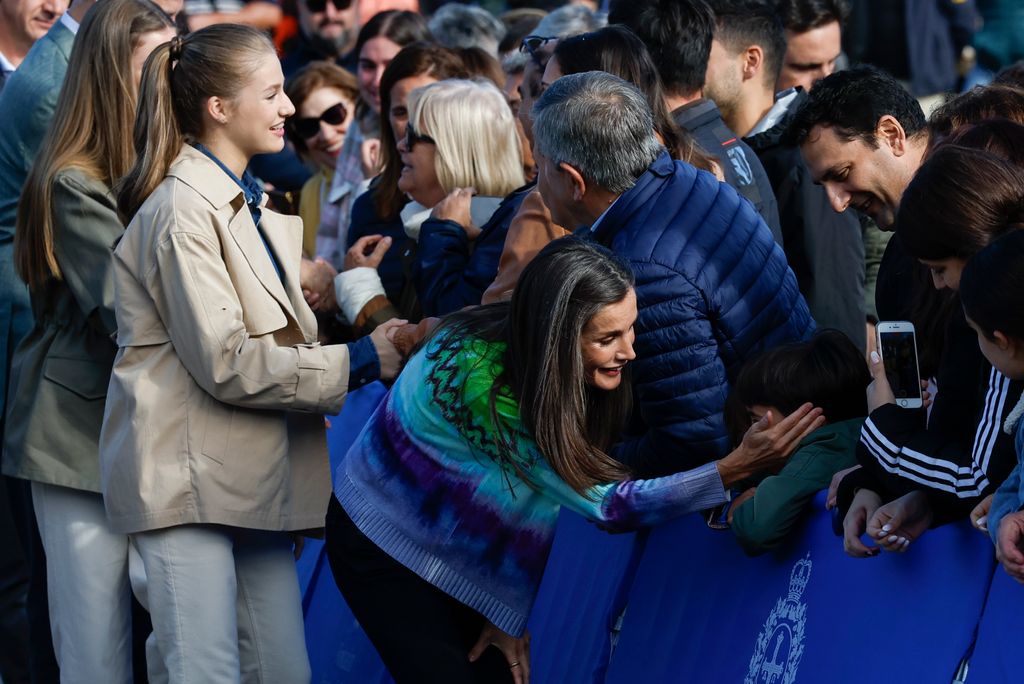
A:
(474, 135)
(212, 452)
(67, 223)
(460, 157)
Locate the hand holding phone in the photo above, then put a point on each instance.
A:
(897, 345)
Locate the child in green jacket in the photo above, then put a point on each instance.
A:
(829, 371)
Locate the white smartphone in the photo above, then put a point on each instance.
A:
(898, 346)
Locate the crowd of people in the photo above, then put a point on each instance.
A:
(625, 259)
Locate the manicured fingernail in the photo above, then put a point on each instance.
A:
(981, 521)
(906, 543)
(886, 528)
(875, 358)
(892, 538)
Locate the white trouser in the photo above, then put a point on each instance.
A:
(87, 585)
(225, 604)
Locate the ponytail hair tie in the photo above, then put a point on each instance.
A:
(177, 45)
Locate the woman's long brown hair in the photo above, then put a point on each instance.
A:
(95, 107)
(573, 424)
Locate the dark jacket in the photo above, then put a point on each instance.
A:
(764, 521)
(366, 221)
(961, 455)
(451, 271)
(713, 288)
(825, 249)
(741, 167)
(926, 49)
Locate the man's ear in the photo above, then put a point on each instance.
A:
(753, 62)
(1006, 343)
(889, 132)
(579, 183)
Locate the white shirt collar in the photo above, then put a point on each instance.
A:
(782, 101)
(69, 22)
(5, 65)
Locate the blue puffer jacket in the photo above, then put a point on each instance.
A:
(451, 272)
(713, 288)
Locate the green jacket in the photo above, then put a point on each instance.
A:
(763, 522)
(61, 369)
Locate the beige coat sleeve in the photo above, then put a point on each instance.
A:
(197, 301)
(530, 231)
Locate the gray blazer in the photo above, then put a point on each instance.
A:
(61, 368)
(27, 103)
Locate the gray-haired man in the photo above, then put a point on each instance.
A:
(712, 285)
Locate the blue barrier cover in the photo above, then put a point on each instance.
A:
(339, 650)
(997, 655)
(579, 599)
(701, 611)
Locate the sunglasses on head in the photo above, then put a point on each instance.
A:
(321, 5)
(412, 137)
(310, 126)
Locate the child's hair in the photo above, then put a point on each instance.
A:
(827, 370)
(177, 80)
(992, 284)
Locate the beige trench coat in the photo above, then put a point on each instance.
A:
(214, 409)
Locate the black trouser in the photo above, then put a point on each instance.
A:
(422, 634)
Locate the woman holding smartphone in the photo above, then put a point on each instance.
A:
(213, 451)
(929, 470)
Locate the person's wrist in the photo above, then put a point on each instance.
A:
(729, 470)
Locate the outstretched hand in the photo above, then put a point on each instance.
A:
(767, 444)
(516, 651)
(367, 251)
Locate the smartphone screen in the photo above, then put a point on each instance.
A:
(899, 354)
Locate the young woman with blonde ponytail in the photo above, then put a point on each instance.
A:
(213, 451)
(66, 226)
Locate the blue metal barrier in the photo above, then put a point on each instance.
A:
(339, 650)
(579, 599)
(997, 656)
(701, 611)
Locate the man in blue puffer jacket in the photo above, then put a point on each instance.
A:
(713, 287)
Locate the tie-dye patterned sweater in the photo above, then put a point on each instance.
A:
(425, 482)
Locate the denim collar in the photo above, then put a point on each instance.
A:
(251, 189)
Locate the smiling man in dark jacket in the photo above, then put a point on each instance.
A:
(712, 285)
(825, 248)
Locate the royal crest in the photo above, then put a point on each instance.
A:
(780, 645)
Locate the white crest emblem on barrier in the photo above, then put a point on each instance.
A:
(780, 645)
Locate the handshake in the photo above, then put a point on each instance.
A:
(395, 339)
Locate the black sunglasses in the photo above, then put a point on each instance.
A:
(310, 126)
(412, 137)
(531, 44)
(321, 5)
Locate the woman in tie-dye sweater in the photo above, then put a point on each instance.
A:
(449, 497)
